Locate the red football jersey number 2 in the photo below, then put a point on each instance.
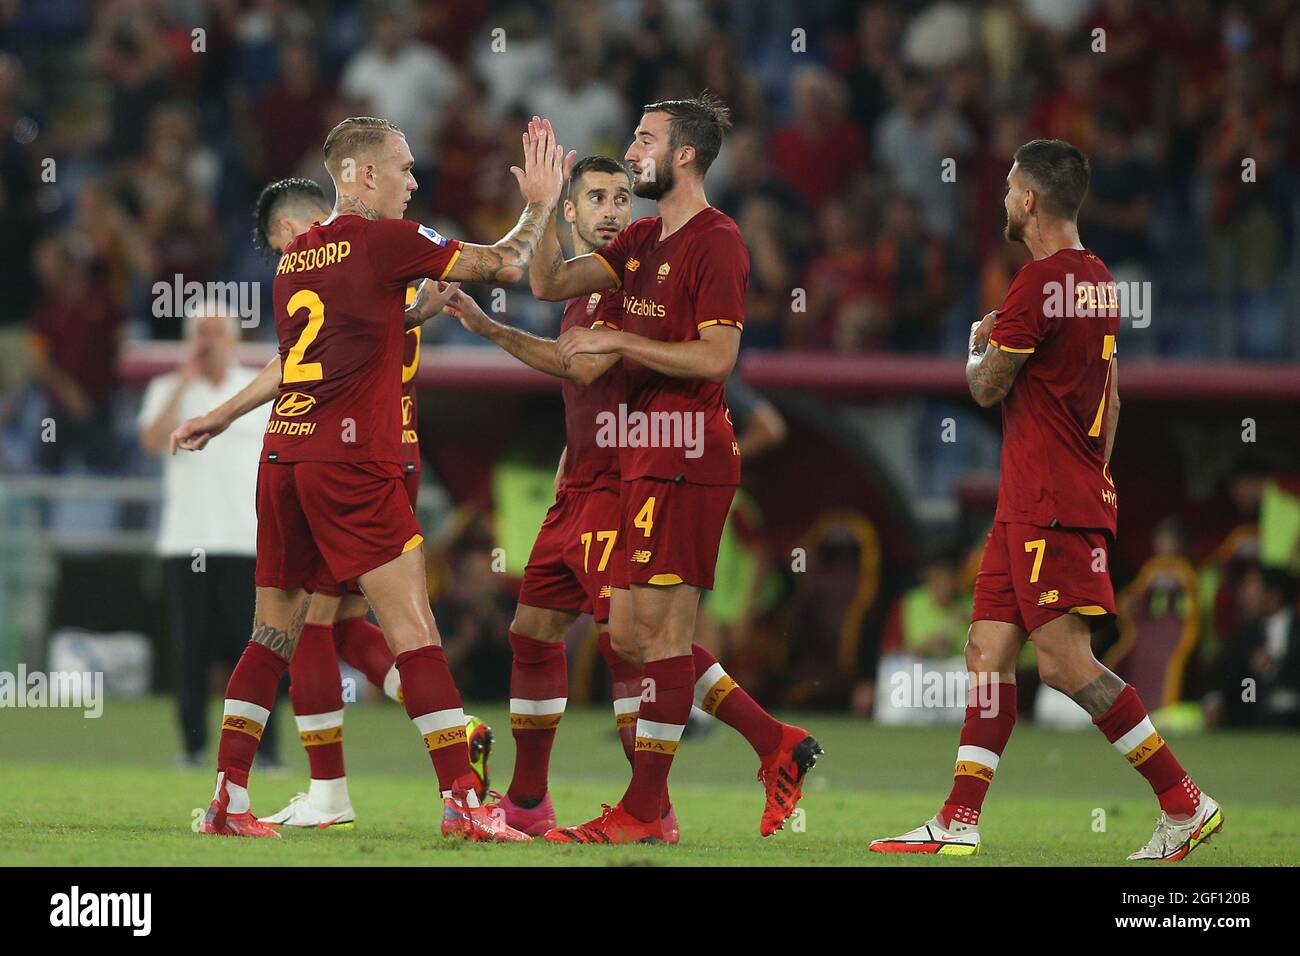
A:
(295, 369)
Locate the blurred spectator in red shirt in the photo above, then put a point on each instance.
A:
(76, 336)
(848, 297)
(292, 114)
(1127, 68)
(818, 153)
(1066, 110)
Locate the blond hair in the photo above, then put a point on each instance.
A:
(354, 136)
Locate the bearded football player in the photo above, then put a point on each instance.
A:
(684, 277)
(1051, 362)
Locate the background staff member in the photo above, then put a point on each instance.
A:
(208, 534)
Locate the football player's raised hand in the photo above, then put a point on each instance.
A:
(542, 178)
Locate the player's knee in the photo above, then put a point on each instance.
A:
(623, 641)
(985, 658)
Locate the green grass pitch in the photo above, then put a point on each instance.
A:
(104, 792)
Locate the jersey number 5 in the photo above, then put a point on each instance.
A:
(295, 369)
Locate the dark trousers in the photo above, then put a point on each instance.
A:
(211, 615)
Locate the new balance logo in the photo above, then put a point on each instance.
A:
(641, 557)
(1049, 597)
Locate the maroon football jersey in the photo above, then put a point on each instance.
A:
(339, 294)
(590, 462)
(1064, 310)
(410, 409)
(673, 288)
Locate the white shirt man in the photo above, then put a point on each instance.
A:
(208, 535)
(208, 499)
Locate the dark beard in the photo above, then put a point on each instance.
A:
(656, 189)
(1014, 231)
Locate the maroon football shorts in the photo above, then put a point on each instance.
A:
(568, 569)
(671, 532)
(411, 479)
(1030, 575)
(321, 522)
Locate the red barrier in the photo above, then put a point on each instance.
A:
(846, 376)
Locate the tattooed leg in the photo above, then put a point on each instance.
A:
(277, 625)
(1066, 663)
(1098, 695)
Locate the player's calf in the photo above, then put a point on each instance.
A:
(316, 690)
(250, 694)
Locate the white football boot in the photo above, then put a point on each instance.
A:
(957, 839)
(303, 813)
(1173, 840)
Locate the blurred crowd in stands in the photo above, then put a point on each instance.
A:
(866, 170)
(137, 133)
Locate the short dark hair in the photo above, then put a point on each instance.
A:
(275, 196)
(1059, 173)
(594, 164)
(698, 122)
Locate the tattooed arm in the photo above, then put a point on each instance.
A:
(540, 181)
(530, 349)
(554, 278)
(504, 261)
(991, 372)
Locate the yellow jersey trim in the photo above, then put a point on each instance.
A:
(614, 275)
(454, 256)
(665, 579)
(415, 541)
(1007, 348)
(731, 322)
(1092, 610)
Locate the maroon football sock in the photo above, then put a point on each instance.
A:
(665, 708)
(539, 687)
(1130, 731)
(719, 696)
(316, 690)
(433, 704)
(984, 736)
(250, 694)
(362, 646)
